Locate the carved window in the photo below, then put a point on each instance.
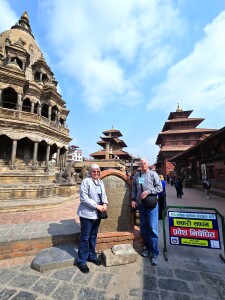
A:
(9, 98)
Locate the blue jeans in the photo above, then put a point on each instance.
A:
(88, 238)
(149, 227)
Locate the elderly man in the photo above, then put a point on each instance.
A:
(147, 182)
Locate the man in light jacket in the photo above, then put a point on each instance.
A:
(147, 182)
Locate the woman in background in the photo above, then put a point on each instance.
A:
(179, 188)
(162, 197)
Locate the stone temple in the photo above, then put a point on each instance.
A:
(32, 120)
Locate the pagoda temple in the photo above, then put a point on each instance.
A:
(112, 145)
(179, 133)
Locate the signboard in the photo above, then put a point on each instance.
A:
(194, 229)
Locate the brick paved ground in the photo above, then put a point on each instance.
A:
(65, 212)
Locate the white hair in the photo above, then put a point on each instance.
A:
(94, 166)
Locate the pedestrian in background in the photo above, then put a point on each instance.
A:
(92, 199)
(206, 186)
(144, 183)
(162, 197)
(179, 188)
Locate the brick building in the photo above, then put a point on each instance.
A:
(179, 133)
(204, 159)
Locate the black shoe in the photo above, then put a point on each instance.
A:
(83, 268)
(96, 261)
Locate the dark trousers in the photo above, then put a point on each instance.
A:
(88, 238)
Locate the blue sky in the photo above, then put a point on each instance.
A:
(128, 63)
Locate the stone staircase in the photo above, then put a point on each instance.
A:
(25, 190)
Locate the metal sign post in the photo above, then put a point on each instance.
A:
(198, 229)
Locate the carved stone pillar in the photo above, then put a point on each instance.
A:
(35, 155)
(58, 117)
(47, 156)
(39, 109)
(23, 65)
(41, 76)
(32, 107)
(13, 154)
(64, 123)
(49, 112)
(57, 157)
(19, 102)
(0, 98)
(64, 161)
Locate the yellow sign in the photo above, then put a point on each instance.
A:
(193, 223)
(193, 242)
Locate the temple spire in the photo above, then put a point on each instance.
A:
(23, 23)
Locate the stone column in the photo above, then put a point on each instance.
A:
(32, 107)
(57, 157)
(47, 156)
(23, 65)
(41, 76)
(64, 161)
(19, 102)
(35, 156)
(0, 98)
(39, 109)
(13, 154)
(58, 117)
(64, 123)
(49, 112)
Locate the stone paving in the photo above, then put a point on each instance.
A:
(189, 273)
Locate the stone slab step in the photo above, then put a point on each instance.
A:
(55, 257)
(119, 255)
(23, 186)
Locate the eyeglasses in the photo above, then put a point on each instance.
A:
(96, 172)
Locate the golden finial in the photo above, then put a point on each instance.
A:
(179, 108)
(25, 15)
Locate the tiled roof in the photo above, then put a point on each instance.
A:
(174, 148)
(188, 130)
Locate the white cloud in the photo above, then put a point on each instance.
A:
(7, 16)
(108, 47)
(199, 79)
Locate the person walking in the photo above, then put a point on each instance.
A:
(162, 197)
(147, 182)
(92, 199)
(206, 186)
(179, 188)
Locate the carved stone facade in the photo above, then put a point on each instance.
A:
(32, 113)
